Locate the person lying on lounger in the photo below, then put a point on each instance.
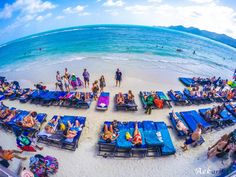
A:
(137, 138)
(9, 92)
(109, 135)
(219, 147)
(30, 120)
(10, 116)
(178, 96)
(25, 95)
(50, 127)
(4, 113)
(179, 124)
(73, 129)
(78, 95)
(120, 98)
(193, 138)
(10, 154)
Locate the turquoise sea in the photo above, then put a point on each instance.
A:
(151, 44)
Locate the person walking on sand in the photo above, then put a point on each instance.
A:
(118, 77)
(102, 83)
(193, 138)
(10, 154)
(86, 77)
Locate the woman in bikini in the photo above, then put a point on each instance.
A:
(137, 138)
(120, 98)
(29, 121)
(219, 147)
(109, 134)
(73, 129)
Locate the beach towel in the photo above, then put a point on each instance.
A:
(159, 103)
(168, 147)
(151, 135)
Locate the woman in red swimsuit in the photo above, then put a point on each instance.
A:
(137, 139)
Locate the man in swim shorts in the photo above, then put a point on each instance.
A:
(86, 77)
(193, 138)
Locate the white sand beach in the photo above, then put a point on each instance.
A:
(138, 76)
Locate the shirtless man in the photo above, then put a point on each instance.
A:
(195, 136)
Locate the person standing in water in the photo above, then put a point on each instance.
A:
(118, 77)
(86, 77)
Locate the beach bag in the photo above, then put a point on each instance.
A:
(158, 103)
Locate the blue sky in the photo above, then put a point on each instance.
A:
(19, 18)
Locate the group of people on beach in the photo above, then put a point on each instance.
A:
(70, 80)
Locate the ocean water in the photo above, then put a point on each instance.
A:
(119, 42)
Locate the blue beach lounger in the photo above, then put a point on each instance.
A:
(231, 108)
(182, 101)
(198, 119)
(141, 150)
(168, 147)
(226, 115)
(161, 95)
(153, 141)
(106, 149)
(127, 106)
(72, 144)
(123, 146)
(187, 81)
(173, 121)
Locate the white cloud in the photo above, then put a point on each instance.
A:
(79, 10)
(212, 17)
(138, 9)
(60, 17)
(43, 17)
(112, 12)
(25, 7)
(114, 3)
(202, 1)
(155, 1)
